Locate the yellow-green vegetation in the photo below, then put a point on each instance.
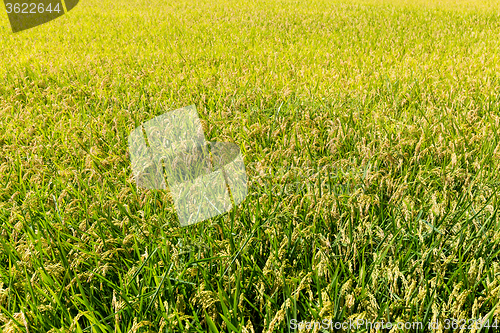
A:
(397, 102)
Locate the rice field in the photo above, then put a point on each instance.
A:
(370, 133)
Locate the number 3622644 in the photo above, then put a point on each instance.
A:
(31, 8)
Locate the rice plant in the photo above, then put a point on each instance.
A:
(369, 129)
